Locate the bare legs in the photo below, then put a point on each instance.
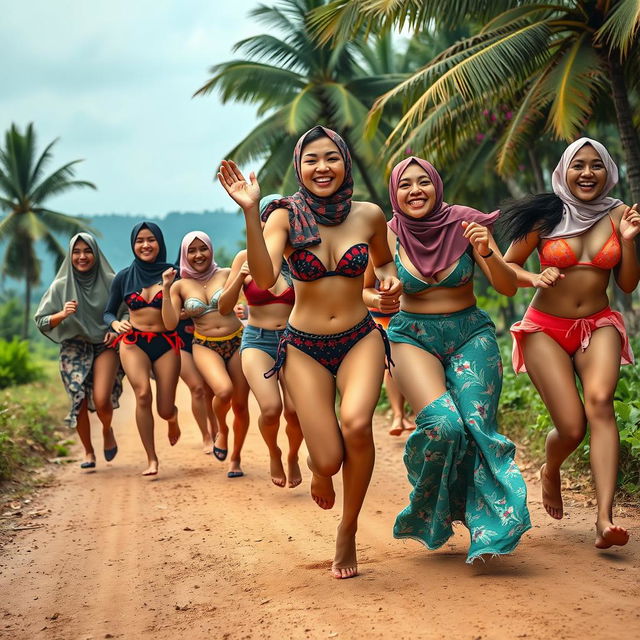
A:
(231, 391)
(552, 372)
(83, 427)
(137, 366)
(399, 422)
(201, 399)
(267, 392)
(312, 389)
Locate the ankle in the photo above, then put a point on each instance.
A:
(348, 529)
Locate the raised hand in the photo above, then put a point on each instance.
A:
(478, 236)
(548, 278)
(630, 223)
(70, 307)
(246, 194)
(168, 277)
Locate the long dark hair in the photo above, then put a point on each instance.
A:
(540, 212)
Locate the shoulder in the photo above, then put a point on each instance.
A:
(368, 211)
(616, 212)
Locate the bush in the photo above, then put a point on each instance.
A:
(16, 364)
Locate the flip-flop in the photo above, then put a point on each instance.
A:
(110, 454)
(235, 474)
(88, 465)
(220, 454)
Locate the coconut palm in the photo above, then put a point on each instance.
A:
(297, 83)
(24, 188)
(552, 63)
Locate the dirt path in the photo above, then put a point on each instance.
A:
(196, 554)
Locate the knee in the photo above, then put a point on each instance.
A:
(197, 391)
(224, 394)
(357, 432)
(598, 405)
(239, 406)
(102, 403)
(143, 397)
(327, 467)
(166, 413)
(270, 413)
(291, 417)
(572, 432)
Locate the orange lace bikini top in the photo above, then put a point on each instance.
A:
(558, 253)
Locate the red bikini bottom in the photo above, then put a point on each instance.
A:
(570, 333)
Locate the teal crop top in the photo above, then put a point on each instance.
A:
(194, 307)
(457, 278)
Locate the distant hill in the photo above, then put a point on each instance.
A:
(226, 230)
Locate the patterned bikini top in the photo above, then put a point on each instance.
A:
(413, 285)
(307, 267)
(257, 297)
(557, 253)
(195, 308)
(135, 301)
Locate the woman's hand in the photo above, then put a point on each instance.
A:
(241, 311)
(548, 278)
(109, 337)
(389, 290)
(244, 271)
(246, 194)
(168, 277)
(478, 236)
(630, 223)
(70, 307)
(121, 326)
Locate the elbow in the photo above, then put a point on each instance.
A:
(628, 287)
(264, 282)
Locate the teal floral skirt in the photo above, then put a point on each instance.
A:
(458, 464)
(76, 371)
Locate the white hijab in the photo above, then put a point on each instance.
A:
(579, 216)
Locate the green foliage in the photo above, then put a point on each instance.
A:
(29, 415)
(16, 364)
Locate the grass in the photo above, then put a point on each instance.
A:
(31, 432)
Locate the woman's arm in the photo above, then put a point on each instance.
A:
(627, 273)
(486, 253)
(388, 293)
(264, 251)
(45, 323)
(517, 255)
(233, 286)
(171, 299)
(113, 307)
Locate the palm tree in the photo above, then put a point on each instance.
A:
(298, 83)
(551, 63)
(23, 191)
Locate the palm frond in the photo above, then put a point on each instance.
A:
(58, 182)
(520, 13)
(64, 223)
(43, 160)
(8, 186)
(20, 259)
(573, 82)
(54, 248)
(261, 139)
(269, 49)
(304, 111)
(620, 29)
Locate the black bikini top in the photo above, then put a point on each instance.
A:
(135, 301)
(306, 266)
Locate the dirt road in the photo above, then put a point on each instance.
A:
(193, 554)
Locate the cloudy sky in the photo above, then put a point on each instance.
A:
(113, 80)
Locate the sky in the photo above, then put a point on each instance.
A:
(113, 80)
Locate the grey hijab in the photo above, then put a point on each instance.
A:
(579, 216)
(91, 291)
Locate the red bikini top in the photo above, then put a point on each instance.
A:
(257, 297)
(305, 265)
(558, 253)
(135, 301)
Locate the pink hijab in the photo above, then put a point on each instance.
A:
(579, 216)
(186, 270)
(435, 241)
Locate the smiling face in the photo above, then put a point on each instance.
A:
(416, 193)
(322, 168)
(82, 256)
(586, 175)
(146, 246)
(199, 256)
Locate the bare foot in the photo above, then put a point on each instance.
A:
(207, 444)
(322, 491)
(608, 535)
(396, 425)
(277, 470)
(345, 563)
(551, 493)
(295, 475)
(408, 423)
(152, 469)
(174, 430)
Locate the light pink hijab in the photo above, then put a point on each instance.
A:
(186, 270)
(579, 216)
(434, 241)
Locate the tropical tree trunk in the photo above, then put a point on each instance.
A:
(27, 304)
(537, 171)
(628, 134)
(364, 173)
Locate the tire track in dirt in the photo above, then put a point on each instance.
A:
(195, 553)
